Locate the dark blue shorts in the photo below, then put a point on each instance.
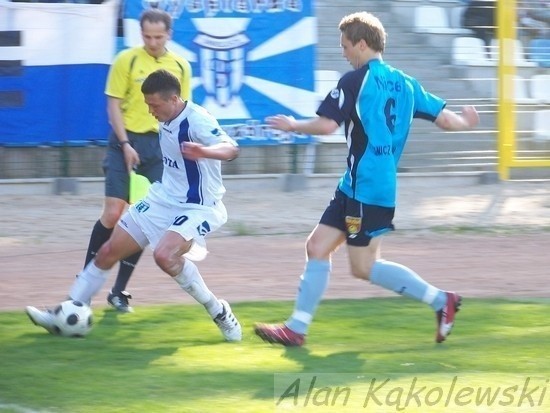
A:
(117, 179)
(361, 222)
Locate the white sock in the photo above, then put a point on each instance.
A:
(88, 283)
(191, 281)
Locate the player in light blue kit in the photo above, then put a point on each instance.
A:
(377, 104)
(176, 214)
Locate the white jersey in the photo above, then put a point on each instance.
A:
(185, 181)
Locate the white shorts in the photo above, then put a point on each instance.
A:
(148, 220)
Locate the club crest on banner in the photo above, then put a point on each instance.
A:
(250, 58)
(221, 57)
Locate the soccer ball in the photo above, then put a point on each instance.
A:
(73, 318)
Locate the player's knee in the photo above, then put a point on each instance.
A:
(105, 258)
(162, 258)
(110, 217)
(315, 250)
(361, 271)
(112, 211)
(166, 261)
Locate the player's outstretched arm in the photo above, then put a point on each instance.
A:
(452, 121)
(223, 151)
(314, 126)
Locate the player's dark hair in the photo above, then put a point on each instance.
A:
(364, 26)
(156, 16)
(162, 82)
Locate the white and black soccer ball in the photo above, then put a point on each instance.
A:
(73, 318)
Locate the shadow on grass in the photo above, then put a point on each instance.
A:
(343, 362)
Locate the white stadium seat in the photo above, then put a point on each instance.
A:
(521, 90)
(542, 125)
(540, 88)
(469, 50)
(435, 20)
(428, 19)
(519, 55)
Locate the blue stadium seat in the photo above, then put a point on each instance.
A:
(539, 52)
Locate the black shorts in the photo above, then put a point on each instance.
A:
(361, 222)
(117, 179)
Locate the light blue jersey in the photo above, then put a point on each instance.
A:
(377, 104)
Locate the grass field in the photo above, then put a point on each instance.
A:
(375, 355)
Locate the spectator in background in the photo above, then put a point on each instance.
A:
(534, 20)
(479, 16)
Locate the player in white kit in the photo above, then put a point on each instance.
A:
(177, 214)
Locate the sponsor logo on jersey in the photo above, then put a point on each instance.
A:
(142, 206)
(170, 163)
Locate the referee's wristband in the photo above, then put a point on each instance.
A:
(122, 143)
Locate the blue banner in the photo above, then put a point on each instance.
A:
(250, 58)
(253, 133)
(53, 66)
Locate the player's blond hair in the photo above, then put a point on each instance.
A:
(364, 26)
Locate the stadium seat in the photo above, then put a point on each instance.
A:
(403, 9)
(429, 19)
(519, 55)
(540, 88)
(435, 20)
(539, 52)
(469, 51)
(542, 125)
(521, 90)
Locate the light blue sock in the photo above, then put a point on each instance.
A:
(404, 281)
(313, 284)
